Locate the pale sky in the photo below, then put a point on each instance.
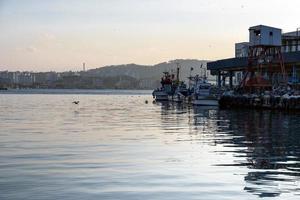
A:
(42, 35)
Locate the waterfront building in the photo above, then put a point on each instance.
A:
(234, 68)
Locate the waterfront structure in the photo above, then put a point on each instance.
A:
(270, 77)
(291, 41)
(241, 49)
(234, 68)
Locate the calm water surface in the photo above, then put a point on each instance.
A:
(114, 146)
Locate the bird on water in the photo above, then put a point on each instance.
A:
(75, 102)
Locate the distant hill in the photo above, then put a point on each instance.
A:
(130, 76)
(147, 76)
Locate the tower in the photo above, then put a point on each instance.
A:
(265, 62)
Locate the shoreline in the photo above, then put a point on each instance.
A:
(77, 91)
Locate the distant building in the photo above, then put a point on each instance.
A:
(26, 78)
(16, 77)
(51, 77)
(6, 77)
(291, 41)
(40, 77)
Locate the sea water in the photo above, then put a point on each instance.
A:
(115, 145)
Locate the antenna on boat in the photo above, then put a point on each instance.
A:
(190, 77)
(205, 68)
(177, 72)
(297, 35)
(83, 66)
(201, 71)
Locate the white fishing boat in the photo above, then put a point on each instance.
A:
(177, 97)
(160, 95)
(202, 93)
(180, 93)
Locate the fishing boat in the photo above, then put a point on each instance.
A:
(172, 89)
(162, 93)
(180, 93)
(180, 89)
(202, 93)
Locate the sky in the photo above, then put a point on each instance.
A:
(59, 35)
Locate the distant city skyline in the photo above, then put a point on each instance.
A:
(60, 35)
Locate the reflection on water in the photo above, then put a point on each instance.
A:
(114, 146)
(266, 142)
(270, 144)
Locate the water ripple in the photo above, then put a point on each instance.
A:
(114, 146)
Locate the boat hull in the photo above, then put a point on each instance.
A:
(177, 98)
(205, 102)
(160, 96)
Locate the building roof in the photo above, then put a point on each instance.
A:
(241, 63)
(293, 33)
(263, 27)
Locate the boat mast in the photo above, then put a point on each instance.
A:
(177, 72)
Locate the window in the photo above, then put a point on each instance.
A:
(257, 32)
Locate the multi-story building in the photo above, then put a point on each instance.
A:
(26, 78)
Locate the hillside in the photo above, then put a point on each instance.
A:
(130, 76)
(149, 76)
